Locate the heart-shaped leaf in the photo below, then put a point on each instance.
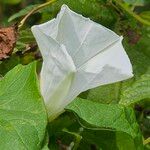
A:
(23, 117)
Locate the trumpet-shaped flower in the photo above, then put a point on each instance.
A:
(78, 54)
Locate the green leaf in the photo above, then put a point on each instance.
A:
(8, 64)
(22, 12)
(106, 140)
(138, 91)
(105, 94)
(23, 117)
(25, 38)
(137, 2)
(45, 142)
(57, 136)
(125, 142)
(139, 59)
(145, 15)
(12, 2)
(101, 139)
(111, 117)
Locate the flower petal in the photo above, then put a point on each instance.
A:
(82, 37)
(67, 34)
(78, 54)
(93, 37)
(109, 66)
(49, 28)
(57, 71)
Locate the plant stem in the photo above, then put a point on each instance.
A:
(77, 136)
(146, 141)
(130, 12)
(77, 142)
(33, 11)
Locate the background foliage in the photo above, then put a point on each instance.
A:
(111, 117)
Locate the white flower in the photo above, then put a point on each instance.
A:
(78, 54)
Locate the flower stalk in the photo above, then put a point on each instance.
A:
(33, 11)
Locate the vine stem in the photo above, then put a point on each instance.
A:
(33, 11)
(137, 17)
(146, 141)
(77, 141)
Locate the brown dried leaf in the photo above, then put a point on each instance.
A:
(8, 37)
